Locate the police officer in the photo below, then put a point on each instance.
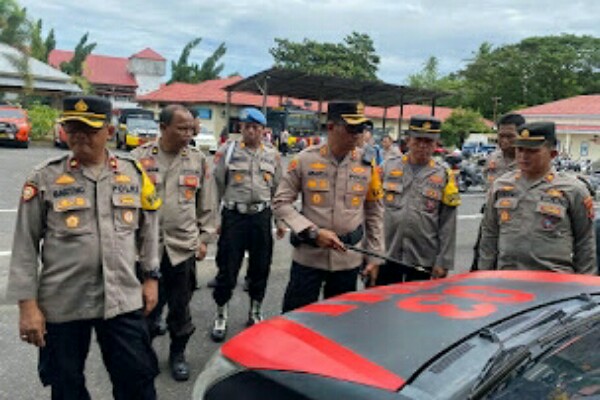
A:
(500, 161)
(187, 223)
(503, 160)
(421, 199)
(389, 149)
(247, 174)
(88, 208)
(341, 203)
(536, 218)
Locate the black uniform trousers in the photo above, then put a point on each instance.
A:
(241, 233)
(390, 273)
(126, 350)
(175, 289)
(305, 285)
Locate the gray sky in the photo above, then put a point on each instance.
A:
(405, 32)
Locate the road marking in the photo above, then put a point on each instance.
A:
(470, 216)
(13, 210)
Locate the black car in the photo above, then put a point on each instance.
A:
(488, 334)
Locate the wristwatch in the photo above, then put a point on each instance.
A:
(310, 235)
(152, 274)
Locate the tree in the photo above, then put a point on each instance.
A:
(41, 48)
(354, 58)
(460, 124)
(14, 25)
(534, 71)
(184, 71)
(74, 67)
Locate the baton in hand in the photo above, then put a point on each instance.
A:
(385, 258)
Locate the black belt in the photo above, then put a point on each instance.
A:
(247, 208)
(350, 238)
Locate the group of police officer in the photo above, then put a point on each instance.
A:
(119, 236)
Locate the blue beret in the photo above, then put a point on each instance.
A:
(252, 114)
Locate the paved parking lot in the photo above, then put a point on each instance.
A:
(18, 379)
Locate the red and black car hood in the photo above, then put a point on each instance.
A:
(382, 336)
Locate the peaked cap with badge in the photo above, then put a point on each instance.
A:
(536, 134)
(91, 110)
(424, 126)
(349, 112)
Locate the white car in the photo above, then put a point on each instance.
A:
(205, 141)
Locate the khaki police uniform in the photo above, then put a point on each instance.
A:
(334, 196)
(187, 218)
(88, 226)
(497, 165)
(92, 226)
(393, 151)
(541, 225)
(246, 180)
(420, 216)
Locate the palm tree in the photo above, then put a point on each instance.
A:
(15, 31)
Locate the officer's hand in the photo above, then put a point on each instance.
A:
(201, 251)
(370, 272)
(32, 323)
(329, 239)
(150, 294)
(438, 272)
(280, 232)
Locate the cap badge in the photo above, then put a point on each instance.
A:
(525, 133)
(427, 125)
(81, 106)
(360, 108)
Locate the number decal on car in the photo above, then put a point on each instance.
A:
(441, 303)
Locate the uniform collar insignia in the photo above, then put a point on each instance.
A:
(184, 152)
(73, 163)
(155, 150)
(112, 162)
(324, 150)
(404, 159)
(432, 163)
(550, 177)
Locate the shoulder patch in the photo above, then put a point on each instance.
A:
(293, 164)
(588, 202)
(30, 190)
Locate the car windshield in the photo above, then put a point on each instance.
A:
(570, 372)
(141, 123)
(7, 113)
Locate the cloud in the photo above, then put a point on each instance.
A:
(405, 33)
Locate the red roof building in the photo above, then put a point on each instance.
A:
(212, 95)
(119, 78)
(577, 123)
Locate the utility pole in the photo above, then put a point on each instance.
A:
(496, 100)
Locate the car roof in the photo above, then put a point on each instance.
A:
(382, 336)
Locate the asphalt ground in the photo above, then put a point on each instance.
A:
(18, 361)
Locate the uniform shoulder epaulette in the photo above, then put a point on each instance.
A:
(50, 161)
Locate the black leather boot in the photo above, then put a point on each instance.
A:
(180, 369)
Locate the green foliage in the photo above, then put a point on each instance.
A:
(534, 71)
(184, 71)
(42, 119)
(354, 58)
(41, 48)
(14, 25)
(74, 67)
(460, 124)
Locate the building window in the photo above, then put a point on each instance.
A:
(584, 149)
(204, 113)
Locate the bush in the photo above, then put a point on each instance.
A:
(42, 119)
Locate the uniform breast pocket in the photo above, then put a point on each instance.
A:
(392, 192)
(188, 186)
(71, 216)
(317, 193)
(126, 210)
(506, 208)
(549, 216)
(238, 175)
(431, 198)
(268, 171)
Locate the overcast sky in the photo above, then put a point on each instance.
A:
(405, 32)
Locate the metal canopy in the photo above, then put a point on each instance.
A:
(297, 84)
